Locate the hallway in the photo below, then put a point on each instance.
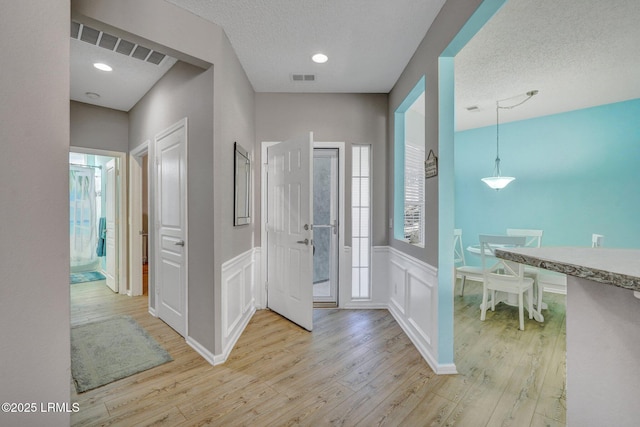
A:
(356, 368)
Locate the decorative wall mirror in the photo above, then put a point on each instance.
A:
(242, 181)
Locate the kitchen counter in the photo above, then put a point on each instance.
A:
(603, 330)
(617, 267)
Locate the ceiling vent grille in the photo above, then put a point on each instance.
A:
(309, 78)
(107, 41)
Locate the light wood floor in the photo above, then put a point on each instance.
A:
(356, 368)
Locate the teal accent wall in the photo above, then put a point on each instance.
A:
(446, 178)
(577, 173)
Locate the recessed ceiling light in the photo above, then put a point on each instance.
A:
(103, 67)
(320, 58)
(92, 95)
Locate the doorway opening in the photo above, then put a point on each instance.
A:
(140, 247)
(277, 269)
(325, 227)
(96, 212)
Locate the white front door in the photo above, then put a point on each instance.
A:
(171, 190)
(111, 240)
(289, 230)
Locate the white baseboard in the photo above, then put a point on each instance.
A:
(364, 305)
(206, 354)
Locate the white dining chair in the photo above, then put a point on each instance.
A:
(463, 271)
(504, 276)
(533, 240)
(534, 237)
(597, 240)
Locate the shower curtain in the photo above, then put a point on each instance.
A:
(82, 217)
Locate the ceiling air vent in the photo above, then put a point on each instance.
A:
(75, 29)
(107, 41)
(89, 35)
(303, 78)
(125, 47)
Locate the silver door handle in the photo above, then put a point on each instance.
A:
(180, 243)
(303, 242)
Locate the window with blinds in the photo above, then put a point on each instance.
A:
(361, 222)
(409, 156)
(414, 193)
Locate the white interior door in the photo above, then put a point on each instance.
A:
(171, 189)
(111, 214)
(289, 230)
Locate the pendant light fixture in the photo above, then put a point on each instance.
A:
(497, 181)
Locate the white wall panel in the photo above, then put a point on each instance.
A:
(422, 310)
(413, 296)
(238, 285)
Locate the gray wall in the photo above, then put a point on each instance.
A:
(234, 120)
(447, 24)
(187, 91)
(196, 41)
(98, 127)
(602, 354)
(352, 118)
(34, 207)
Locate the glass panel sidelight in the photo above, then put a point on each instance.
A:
(325, 229)
(360, 226)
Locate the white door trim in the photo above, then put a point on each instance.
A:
(123, 284)
(261, 300)
(135, 218)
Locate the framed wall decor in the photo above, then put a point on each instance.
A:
(431, 165)
(242, 185)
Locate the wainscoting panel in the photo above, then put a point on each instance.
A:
(413, 302)
(397, 294)
(238, 288)
(421, 306)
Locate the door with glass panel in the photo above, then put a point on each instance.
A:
(325, 227)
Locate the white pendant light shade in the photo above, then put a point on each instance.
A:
(498, 182)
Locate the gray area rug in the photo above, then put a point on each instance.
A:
(111, 349)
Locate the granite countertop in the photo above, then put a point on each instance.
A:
(616, 267)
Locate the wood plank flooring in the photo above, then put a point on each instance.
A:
(356, 368)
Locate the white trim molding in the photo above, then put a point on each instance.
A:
(413, 302)
(135, 217)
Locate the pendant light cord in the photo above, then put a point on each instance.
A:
(497, 172)
(529, 95)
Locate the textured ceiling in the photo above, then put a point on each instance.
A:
(577, 53)
(369, 42)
